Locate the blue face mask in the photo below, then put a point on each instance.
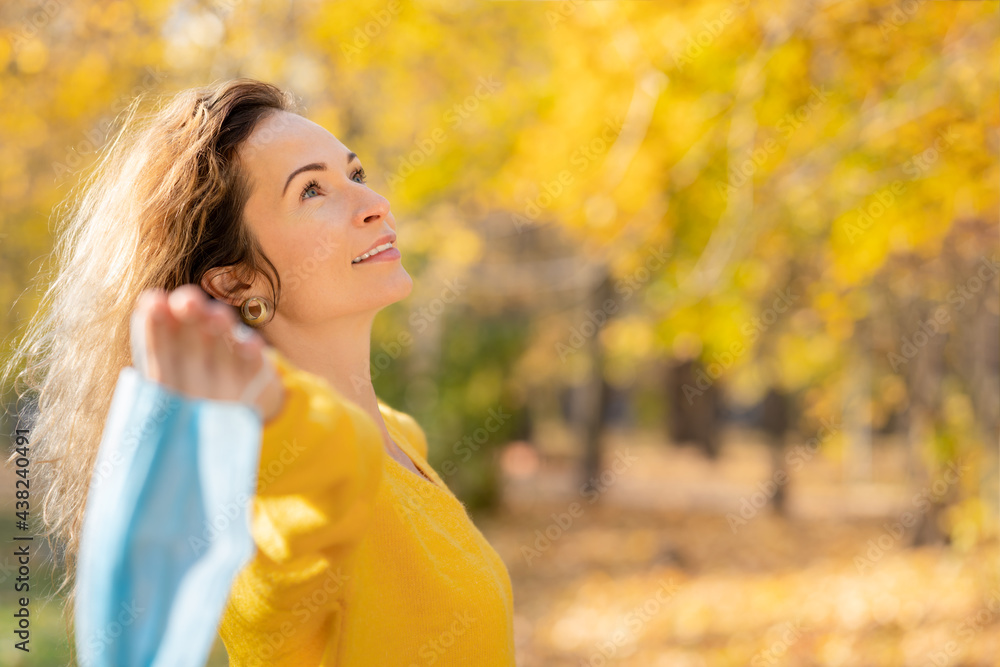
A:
(166, 527)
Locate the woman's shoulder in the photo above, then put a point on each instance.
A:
(408, 425)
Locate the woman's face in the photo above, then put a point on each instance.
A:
(313, 215)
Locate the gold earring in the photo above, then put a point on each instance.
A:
(264, 309)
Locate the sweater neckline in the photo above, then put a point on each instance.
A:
(404, 445)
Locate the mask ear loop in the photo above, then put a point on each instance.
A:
(264, 376)
(137, 339)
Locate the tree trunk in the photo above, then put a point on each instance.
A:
(775, 419)
(598, 393)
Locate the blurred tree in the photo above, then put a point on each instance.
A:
(706, 155)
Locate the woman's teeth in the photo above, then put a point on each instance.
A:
(374, 251)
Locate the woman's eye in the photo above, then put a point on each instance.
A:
(313, 186)
(310, 187)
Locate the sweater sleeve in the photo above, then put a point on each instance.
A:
(320, 466)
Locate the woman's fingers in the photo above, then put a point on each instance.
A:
(199, 348)
(160, 351)
(187, 303)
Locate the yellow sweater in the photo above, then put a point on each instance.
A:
(360, 561)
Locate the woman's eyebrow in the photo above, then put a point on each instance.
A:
(314, 166)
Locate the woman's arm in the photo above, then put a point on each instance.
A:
(321, 459)
(320, 466)
(321, 463)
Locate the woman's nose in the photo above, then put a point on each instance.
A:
(376, 209)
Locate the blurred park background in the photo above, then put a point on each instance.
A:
(705, 328)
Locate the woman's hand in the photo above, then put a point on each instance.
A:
(194, 346)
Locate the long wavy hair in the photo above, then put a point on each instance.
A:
(163, 205)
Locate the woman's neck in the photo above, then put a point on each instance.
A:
(339, 351)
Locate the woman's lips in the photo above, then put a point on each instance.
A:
(389, 255)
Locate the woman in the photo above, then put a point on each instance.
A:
(229, 205)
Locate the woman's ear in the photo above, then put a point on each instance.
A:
(219, 283)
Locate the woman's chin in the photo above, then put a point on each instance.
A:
(399, 286)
